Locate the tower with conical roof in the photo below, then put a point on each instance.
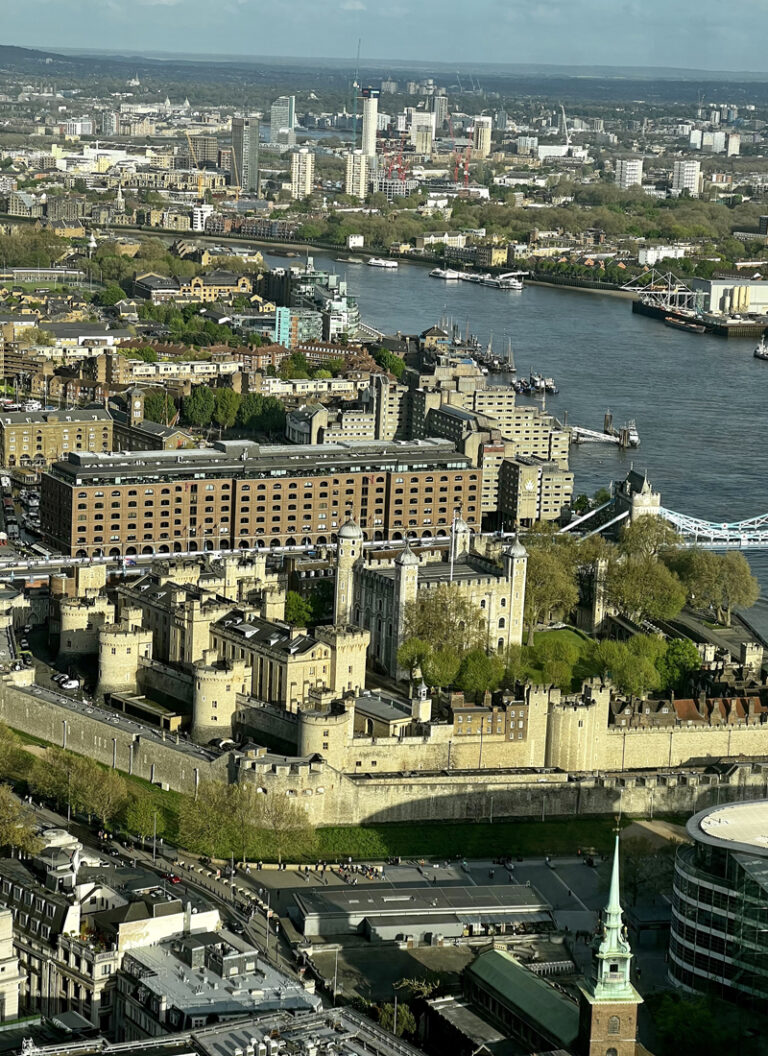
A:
(609, 1001)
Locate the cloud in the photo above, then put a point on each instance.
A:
(353, 5)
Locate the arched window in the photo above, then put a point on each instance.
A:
(613, 1025)
(502, 623)
(611, 1052)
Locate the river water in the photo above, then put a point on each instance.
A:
(699, 401)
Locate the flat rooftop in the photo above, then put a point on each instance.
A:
(735, 827)
(245, 458)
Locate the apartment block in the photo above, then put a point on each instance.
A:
(531, 490)
(239, 494)
(38, 438)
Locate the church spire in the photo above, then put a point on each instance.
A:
(614, 956)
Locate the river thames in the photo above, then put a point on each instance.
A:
(698, 401)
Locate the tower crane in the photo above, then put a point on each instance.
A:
(200, 178)
(566, 133)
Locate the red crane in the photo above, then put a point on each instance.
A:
(456, 153)
(467, 156)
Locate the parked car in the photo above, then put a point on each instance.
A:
(71, 683)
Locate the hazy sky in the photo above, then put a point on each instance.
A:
(702, 34)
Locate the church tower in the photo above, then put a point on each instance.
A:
(608, 1003)
(349, 550)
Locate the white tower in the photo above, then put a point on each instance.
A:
(515, 558)
(348, 552)
(370, 121)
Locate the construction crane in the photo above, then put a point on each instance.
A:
(200, 177)
(456, 153)
(355, 90)
(467, 157)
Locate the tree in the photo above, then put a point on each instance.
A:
(390, 362)
(110, 295)
(648, 536)
(735, 586)
(406, 1021)
(479, 673)
(557, 657)
(17, 825)
(644, 588)
(676, 665)
(298, 612)
(440, 667)
(286, 826)
(199, 406)
(550, 587)
(445, 618)
(141, 817)
(647, 867)
(11, 751)
(244, 810)
(412, 654)
(226, 408)
(204, 822)
(705, 1033)
(517, 666)
(159, 407)
(111, 795)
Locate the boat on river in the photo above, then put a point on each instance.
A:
(449, 274)
(761, 351)
(382, 262)
(684, 324)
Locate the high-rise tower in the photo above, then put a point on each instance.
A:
(608, 1005)
(245, 151)
(370, 120)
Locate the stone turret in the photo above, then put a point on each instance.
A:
(348, 553)
(121, 647)
(214, 695)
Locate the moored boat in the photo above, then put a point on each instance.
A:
(684, 324)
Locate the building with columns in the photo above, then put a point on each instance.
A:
(373, 590)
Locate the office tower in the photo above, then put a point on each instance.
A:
(356, 181)
(245, 152)
(370, 121)
(629, 172)
(282, 117)
(302, 173)
(686, 176)
(481, 138)
(206, 150)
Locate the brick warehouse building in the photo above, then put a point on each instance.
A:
(241, 494)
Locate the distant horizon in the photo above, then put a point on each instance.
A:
(381, 64)
(690, 37)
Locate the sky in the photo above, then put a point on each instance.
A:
(684, 34)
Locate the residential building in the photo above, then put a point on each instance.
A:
(245, 152)
(356, 176)
(481, 137)
(438, 104)
(532, 489)
(629, 173)
(22, 203)
(370, 121)
(238, 494)
(302, 173)
(294, 326)
(282, 117)
(719, 936)
(38, 438)
(686, 176)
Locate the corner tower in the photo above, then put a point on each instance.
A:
(349, 550)
(609, 1001)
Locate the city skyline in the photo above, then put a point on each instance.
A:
(705, 35)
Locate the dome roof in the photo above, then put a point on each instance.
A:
(516, 549)
(407, 556)
(350, 530)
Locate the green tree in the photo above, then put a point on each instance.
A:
(17, 824)
(406, 1021)
(199, 406)
(226, 408)
(111, 794)
(390, 362)
(517, 666)
(159, 407)
(691, 1027)
(735, 586)
(677, 664)
(140, 815)
(205, 822)
(146, 354)
(412, 654)
(644, 588)
(286, 826)
(647, 868)
(445, 618)
(110, 295)
(557, 657)
(479, 673)
(550, 587)
(11, 752)
(648, 536)
(298, 611)
(440, 667)
(244, 801)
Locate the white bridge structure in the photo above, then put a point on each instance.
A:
(750, 534)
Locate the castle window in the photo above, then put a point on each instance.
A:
(613, 1025)
(611, 1052)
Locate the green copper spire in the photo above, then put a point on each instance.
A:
(614, 956)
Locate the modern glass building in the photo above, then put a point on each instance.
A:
(719, 934)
